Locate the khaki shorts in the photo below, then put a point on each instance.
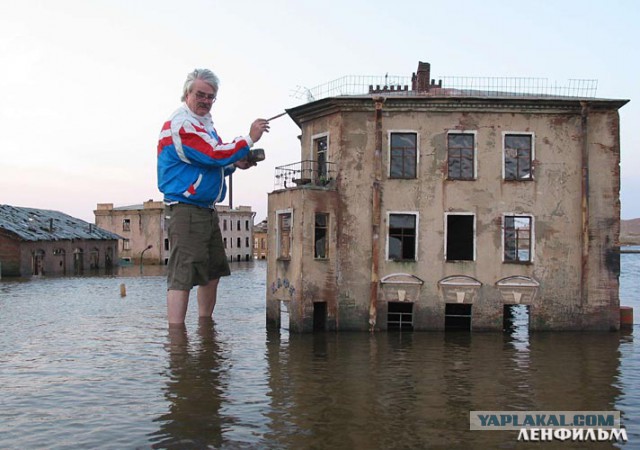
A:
(197, 253)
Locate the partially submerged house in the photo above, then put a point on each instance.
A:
(435, 208)
(44, 242)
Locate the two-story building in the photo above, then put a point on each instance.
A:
(435, 208)
(144, 236)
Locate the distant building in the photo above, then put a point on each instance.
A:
(237, 231)
(260, 240)
(141, 228)
(143, 231)
(44, 242)
(434, 208)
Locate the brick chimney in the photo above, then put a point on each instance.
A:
(420, 81)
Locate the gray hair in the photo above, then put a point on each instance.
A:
(200, 74)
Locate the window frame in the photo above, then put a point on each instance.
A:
(474, 133)
(532, 240)
(326, 235)
(314, 156)
(389, 153)
(416, 214)
(446, 234)
(126, 224)
(278, 234)
(532, 135)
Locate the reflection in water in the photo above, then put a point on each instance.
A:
(415, 390)
(196, 381)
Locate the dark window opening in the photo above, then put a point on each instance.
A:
(402, 237)
(238, 242)
(319, 316)
(320, 236)
(126, 225)
(246, 225)
(460, 156)
(460, 237)
(517, 157)
(400, 316)
(457, 317)
(224, 225)
(166, 244)
(238, 225)
(403, 155)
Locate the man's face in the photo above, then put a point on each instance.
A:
(201, 98)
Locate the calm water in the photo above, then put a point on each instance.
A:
(81, 367)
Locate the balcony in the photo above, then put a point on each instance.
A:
(305, 173)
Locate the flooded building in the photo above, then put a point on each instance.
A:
(44, 242)
(144, 234)
(261, 240)
(141, 227)
(423, 206)
(236, 225)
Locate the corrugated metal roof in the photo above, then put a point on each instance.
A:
(33, 224)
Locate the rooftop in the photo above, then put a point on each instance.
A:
(31, 224)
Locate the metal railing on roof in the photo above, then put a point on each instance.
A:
(452, 86)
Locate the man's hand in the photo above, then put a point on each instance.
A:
(258, 127)
(244, 164)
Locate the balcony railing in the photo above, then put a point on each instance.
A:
(308, 172)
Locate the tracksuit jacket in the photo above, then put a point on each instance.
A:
(193, 160)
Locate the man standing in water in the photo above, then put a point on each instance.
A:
(193, 162)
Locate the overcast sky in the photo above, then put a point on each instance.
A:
(85, 85)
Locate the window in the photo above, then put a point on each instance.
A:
(320, 146)
(284, 235)
(518, 243)
(246, 225)
(518, 157)
(126, 244)
(126, 224)
(402, 237)
(225, 242)
(246, 242)
(457, 317)
(403, 155)
(461, 156)
(238, 243)
(400, 316)
(224, 225)
(166, 244)
(460, 245)
(238, 228)
(321, 236)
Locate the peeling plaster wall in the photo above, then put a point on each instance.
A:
(553, 198)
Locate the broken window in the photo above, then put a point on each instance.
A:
(284, 235)
(321, 236)
(461, 156)
(400, 316)
(518, 157)
(126, 224)
(402, 237)
(403, 155)
(460, 237)
(320, 149)
(517, 238)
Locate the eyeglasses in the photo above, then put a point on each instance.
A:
(202, 96)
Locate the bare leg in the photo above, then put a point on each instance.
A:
(207, 296)
(177, 302)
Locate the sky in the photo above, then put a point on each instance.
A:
(85, 85)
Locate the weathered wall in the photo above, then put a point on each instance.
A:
(578, 286)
